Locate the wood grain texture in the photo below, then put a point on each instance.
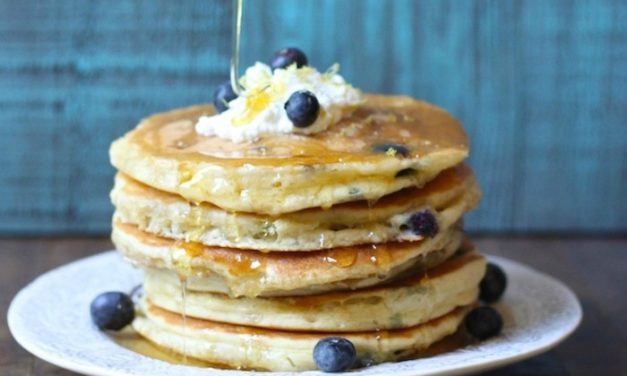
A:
(539, 85)
(593, 268)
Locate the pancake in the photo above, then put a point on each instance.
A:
(407, 302)
(287, 173)
(245, 347)
(241, 272)
(347, 224)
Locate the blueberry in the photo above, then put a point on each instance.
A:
(334, 354)
(112, 311)
(391, 148)
(223, 95)
(302, 108)
(423, 223)
(287, 56)
(483, 322)
(493, 284)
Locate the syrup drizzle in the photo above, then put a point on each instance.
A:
(238, 6)
(192, 249)
(183, 281)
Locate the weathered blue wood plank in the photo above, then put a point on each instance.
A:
(73, 76)
(539, 85)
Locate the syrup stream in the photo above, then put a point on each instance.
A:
(183, 281)
(237, 29)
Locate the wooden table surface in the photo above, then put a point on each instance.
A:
(596, 269)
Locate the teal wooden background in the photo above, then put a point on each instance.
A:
(540, 85)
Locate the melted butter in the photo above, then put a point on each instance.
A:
(417, 125)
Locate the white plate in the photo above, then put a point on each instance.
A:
(50, 318)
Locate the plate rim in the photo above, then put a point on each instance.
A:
(79, 365)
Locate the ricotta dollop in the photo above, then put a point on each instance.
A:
(259, 109)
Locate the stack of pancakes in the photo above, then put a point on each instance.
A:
(253, 252)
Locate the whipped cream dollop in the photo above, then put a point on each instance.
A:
(259, 109)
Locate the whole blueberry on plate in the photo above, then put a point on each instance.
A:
(285, 57)
(394, 149)
(302, 108)
(112, 310)
(334, 354)
(493, 284)
(483, 322)
(423, 223)
(223, 95)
